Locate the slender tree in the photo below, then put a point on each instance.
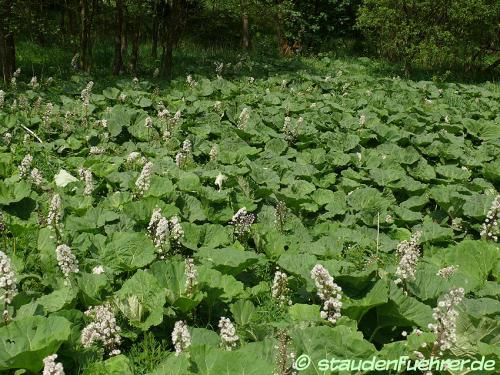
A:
(85, 34)
(118, 60)
(7, 44)
(245, 34)
(175, 15)
(156, 28)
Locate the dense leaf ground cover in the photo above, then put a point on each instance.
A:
(337, 169)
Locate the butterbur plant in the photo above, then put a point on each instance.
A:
(55, 213)
(447, 272)
(491, 228)
(214, 152)
(103, 329)
(85, 96)
(181, 337)
(2, 223)
(243, 118)
(242, 222)
(176, 231)
(8, 283)
(86, 177)
(66, 260)
(446, 316)
(279, 289)
(280, 213)
(166, 234)
(191, 276)
(409, 254)
(329, 292)
(143, 182)
(51, 367)
(191, 81)
(228, 336)
(158, 228)
(285, 358)
(25, 166)
(36, 177)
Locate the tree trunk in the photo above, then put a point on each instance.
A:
(7, 44)
(85, 35)
(175, 21)
(156, 30)
(118, 61)
(135, 47)
(245, 35)
(124, 36)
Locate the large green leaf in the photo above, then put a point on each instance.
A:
(25, 343)
(141, 300)
(128, 251)
(340, 342)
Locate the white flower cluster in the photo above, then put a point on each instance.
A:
(86, 176)
(214, 152)
(86, 93)
(75, 61)
(25, 166)
(95, 150)
(176, 117)
(103, 329)
(98, 270)
(34, 82)
(36, 177)
(51, 367)
(242, 221)
(183, 155)
(176, 231)
(243, 119)
(181, 337)
(191, 276)
(329, 292)
(291, 130)
(2, 98)
(409, 253)
(219, 68)
(446, 320)
(36, 105)
(7, 138)
(66, 260)
(191, 81)
(228, 334)
(279, 289)
(55, 211)
(219, 180)
(144, 180)
(8, 282)
(218, 107)
(447, 272)
(162, 229)
(48, 111)
(491, 228)
(24, 171)
(148, 122)
(135, 157)
(159, 230)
